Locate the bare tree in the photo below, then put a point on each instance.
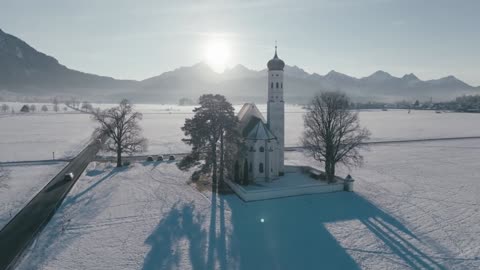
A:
(55, 104)
(121, 128)
(44, 108)
(87, 106)
(4, 174)
(332, 132)
(5, 108)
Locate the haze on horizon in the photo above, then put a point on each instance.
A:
(130, 40)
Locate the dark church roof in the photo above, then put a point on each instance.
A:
(256, 129)
(276, 63)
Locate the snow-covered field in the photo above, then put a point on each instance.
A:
(36, 135)
(416, 205)
(20, 183)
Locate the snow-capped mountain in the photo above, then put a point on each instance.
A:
(25, 71)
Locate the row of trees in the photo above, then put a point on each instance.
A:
(332, 134)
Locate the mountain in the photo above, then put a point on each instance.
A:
(25, 71)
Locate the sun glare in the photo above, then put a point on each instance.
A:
(217, 54)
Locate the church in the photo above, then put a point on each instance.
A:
(264, 138)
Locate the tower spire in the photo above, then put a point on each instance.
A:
(276, 49)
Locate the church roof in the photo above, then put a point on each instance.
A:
(275, 63)
(249, 109)
(256, 129)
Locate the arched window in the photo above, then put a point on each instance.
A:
(260, 167)
(281, 86)
(277, 84)
(271, 85)
(262, 149)
(252, 149)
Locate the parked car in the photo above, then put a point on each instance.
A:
(68, 176)
(149, 158)
(172, 157)
(160, 158)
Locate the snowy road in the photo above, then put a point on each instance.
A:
(20, 231)
(414, 207)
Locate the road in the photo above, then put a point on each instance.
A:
(18, 234)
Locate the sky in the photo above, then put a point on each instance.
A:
(144, 38)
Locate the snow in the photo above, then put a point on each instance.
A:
(35, 136)
(21, 183)
(414, 206)
(67, 133)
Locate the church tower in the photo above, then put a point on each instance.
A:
(276, 105)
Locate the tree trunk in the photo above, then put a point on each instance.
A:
(119, 157)
(222, 165)
(245, 173)
(329, 165)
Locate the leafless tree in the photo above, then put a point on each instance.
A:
(55, 104)
(4, 173)
(332, 132)
(5, 108)
(44, 108)
(120, 126)
(87, 106)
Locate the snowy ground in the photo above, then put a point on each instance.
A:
(35, 136)
(162, 126)
(20, 183)
(416, 205)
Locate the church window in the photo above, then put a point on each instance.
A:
(260, 167)
(262, 149)
(271, 86)
(277, 84)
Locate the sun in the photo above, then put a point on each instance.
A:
(217, 54)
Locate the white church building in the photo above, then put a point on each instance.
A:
(264, 138)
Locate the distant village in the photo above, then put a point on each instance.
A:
(460, 104)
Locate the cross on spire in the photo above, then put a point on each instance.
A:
(276, 48)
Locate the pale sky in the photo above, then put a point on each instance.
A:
(140, 39)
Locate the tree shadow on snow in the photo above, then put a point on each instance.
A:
(74, 207)
(181, 223)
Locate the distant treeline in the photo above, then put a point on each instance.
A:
(460, 104)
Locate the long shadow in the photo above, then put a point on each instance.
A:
(76, 197)
(291, 233)
(71, 207)
(180, 223)
(212, 231)
(288, 233)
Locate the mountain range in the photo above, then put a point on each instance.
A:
(25, 71)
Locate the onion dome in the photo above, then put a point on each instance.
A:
(276, 63)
